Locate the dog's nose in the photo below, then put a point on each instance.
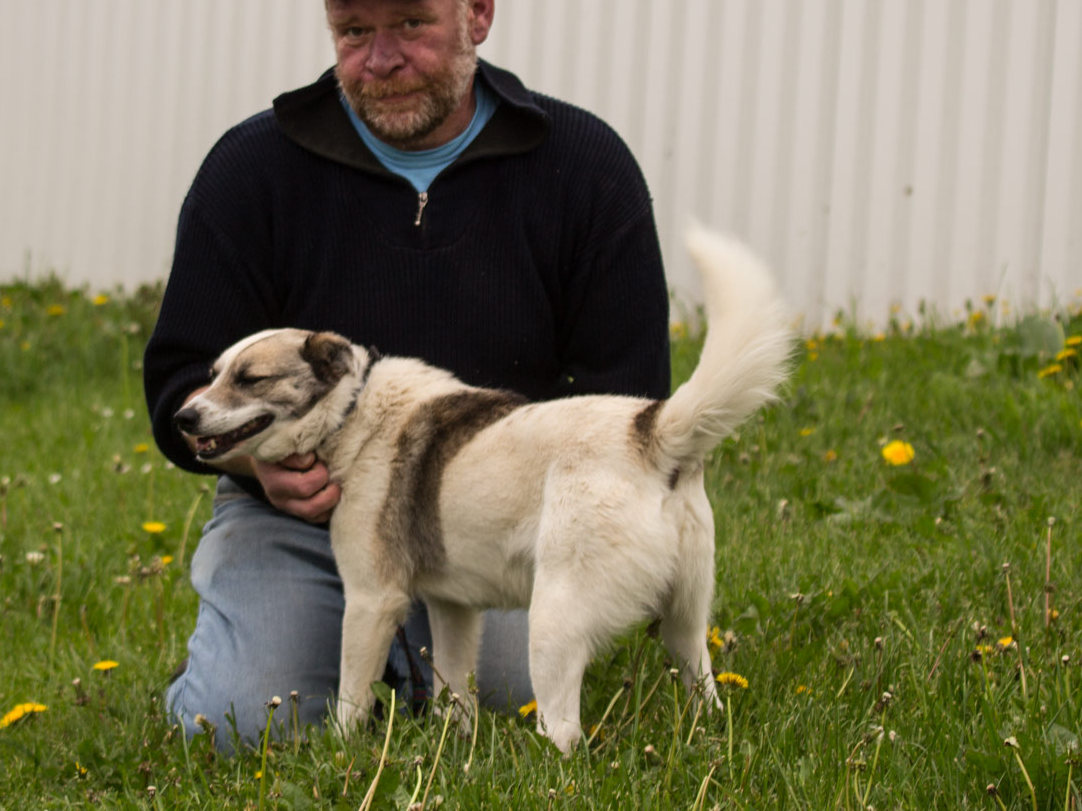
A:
(186, 420)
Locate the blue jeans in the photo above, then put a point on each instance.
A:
(270, 622)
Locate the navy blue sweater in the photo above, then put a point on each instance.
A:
(535, 265)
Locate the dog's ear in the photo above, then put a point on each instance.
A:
(328, 354)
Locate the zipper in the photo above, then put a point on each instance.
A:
(422, 201)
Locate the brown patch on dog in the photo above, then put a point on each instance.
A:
(410, 519)
(642, 427)
(328, 354)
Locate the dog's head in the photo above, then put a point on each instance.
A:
(273, 394)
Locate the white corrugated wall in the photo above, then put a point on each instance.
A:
(878, 152)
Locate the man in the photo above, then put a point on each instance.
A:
(427, 204)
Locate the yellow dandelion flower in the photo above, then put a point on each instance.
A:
(898, 452)
(100, 300)
(879, 337)
(830, 456)
(976, 318)
(1005, 642)
(20, 711)
(142, 447)
(713, 638)
(988, 299)
(732, 680)
(1074, 340)
(105, 664)
(526, 709)
(153, 527)
(55, 309)
(803, 689)
(6, 302)
(166, 560)
(807, 431)
(1069, 352)
(678, 330)
(1048, 371)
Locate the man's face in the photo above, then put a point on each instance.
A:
(406, 66)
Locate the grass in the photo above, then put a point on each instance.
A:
(893, 624)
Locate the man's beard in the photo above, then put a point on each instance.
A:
(405, 123)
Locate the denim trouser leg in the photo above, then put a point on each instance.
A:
(270, 622)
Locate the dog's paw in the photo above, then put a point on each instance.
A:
(564, 735)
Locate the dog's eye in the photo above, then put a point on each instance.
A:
(248, 379)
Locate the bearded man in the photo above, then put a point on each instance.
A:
(417, 200)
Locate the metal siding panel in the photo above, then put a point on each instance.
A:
(877, 152)
(1061, 231)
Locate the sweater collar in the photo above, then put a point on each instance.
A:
(313, 118)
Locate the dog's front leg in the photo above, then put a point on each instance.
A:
(456, 636)
(368, 628)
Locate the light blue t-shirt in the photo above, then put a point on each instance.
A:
(421, 167)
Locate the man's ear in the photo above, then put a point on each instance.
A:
(328, 354)
(479, 20)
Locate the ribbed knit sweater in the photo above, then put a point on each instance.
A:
(534, 265)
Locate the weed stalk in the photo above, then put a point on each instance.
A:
(370, 795)
(1014, 630)
(272, 705)
(1048, 587)
(59, 529)
(439, 749)
(1012, 742)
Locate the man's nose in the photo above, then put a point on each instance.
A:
(385, 55)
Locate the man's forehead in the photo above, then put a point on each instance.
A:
(359, 6)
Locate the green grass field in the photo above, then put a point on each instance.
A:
(908, 634)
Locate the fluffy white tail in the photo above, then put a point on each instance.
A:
(745, 357)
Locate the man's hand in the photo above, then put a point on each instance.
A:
(299, 485)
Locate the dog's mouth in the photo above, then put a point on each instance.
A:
(211, 447)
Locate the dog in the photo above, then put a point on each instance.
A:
(590, 510)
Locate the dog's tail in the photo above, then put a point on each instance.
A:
(745, 356)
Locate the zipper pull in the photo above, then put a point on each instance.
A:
(422, 201)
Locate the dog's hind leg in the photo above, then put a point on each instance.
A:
(560, 649)
(368, 626)
(684, 617)
(456, 636)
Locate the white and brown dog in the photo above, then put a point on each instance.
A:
(590, 510)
